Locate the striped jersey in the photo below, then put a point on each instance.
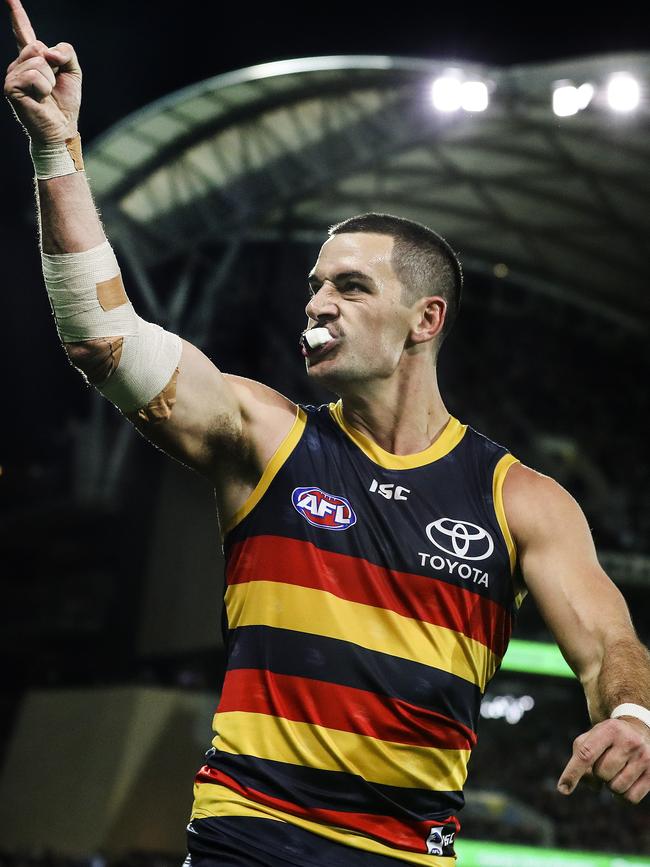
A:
(369, 601)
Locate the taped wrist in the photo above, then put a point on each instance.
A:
(629, 709)
(89, 302)
(57, 158)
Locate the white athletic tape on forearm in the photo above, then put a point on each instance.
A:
(150, 354)
(57, 159)
(71, 280)
(635, 710)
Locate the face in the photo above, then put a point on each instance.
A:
(357, 297)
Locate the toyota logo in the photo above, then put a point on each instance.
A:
(460, 535)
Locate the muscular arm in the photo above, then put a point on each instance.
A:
(591, 623)
(212, 417)
(214, 414)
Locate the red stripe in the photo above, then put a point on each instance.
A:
(339, 707)
(291, 561)
(392, 832)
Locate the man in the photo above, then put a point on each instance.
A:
(370, 544)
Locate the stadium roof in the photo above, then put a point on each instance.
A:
(284, 149)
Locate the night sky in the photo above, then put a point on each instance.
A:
(132, 53)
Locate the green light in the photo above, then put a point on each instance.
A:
(534, 657)
(476, 853)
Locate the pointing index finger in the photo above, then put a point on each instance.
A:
(20, 23)
(591, 748)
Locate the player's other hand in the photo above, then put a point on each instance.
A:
(615, 752)
(43, 84)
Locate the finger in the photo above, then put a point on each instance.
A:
(37, 63)
(610, 764)
(34, 49)
(626, 778)
(20, 23)
(64, 56)
(33, 83)
(638, 790)
(16, 71)
(587, 749)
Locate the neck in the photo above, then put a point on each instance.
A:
(404, 414)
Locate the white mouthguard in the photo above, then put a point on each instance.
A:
(316, 337)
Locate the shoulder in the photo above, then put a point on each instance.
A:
(536, 504)
(524, 483)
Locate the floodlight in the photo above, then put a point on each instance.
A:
(566, 100)
(446, 93)
(623, 92)
(474, 96)
(585, 95)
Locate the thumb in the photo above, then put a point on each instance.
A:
(63, 55)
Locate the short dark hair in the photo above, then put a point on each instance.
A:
(423, 261)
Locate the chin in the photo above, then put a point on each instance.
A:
(331, 376)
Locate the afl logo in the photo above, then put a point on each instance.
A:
(322, 509)
(457, 537)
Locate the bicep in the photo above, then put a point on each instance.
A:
(216, 417)
(205, 413)
(578, 601)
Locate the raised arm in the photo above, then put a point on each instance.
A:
(168, 388)
(592, 626)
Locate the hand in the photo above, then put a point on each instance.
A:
(615, 752)
(43, 85)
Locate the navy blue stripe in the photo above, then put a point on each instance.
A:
(227, 841)
(285, 651)
(314, 788)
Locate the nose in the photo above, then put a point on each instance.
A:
(322, 306)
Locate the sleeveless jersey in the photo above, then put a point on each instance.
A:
(369, 601)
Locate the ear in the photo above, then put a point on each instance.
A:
(429, 315)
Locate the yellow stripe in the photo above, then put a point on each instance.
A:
(303, 609)
(211, 799)
(448, 439)
(280, 455)
(314, 746)
(502, 467)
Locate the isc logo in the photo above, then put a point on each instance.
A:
(438, 841)
(322, 509)
(389, 491)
